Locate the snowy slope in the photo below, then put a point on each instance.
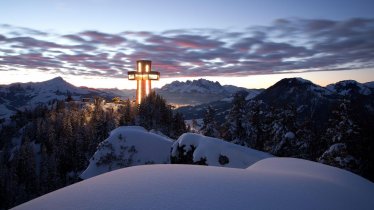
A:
(251, 94)
(369, 84)
(273, 183)
(128, 146)
(349, 87)
(212, 148)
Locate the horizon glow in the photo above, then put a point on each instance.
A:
(251, 82)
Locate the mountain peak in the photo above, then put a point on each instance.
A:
(296, 80)
(57, 79)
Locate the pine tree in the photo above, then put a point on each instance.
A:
(126, 117)
(256, 128)
(235, 125)
(282, 128)
(341, 137)
(154, 113)
(210, 126)
(178, 126)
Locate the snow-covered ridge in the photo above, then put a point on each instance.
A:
(28, 95)
(273, 183)
(199, 86)
(349, 87)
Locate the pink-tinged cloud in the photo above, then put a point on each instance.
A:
(103, 38)
(325, 44)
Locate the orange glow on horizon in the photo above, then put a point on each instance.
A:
(322, 78)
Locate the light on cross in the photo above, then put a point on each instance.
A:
(143, 75)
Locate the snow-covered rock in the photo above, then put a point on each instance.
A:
(289, 135)
(128, 146)
(273, 183)
(213, 152)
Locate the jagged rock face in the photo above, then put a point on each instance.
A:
(198, 92)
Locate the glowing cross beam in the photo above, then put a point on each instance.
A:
(143, 75)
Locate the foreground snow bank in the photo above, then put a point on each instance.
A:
(273, 183)
(195, 148)
(128, 146)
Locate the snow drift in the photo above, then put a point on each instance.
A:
(133, 145)
(272, 183)
(128, 146)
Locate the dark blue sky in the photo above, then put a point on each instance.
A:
(157, 15)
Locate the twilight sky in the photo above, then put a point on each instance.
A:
(249, 43)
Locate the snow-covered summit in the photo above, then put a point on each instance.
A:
(27, 95)
(199, 91)
(199, 86)
(273, 183)
(299, 80)
(296, 91)
(307, 85)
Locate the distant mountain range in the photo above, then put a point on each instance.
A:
(196, 94)
(18, 96)
(199, 91)
(307, 97)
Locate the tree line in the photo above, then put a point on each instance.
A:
(345, 140)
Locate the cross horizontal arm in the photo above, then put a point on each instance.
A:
(153, 75)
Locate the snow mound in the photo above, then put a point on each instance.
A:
(273, 183)
(215, 152)
(128, 146)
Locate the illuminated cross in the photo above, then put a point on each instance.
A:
(143, 75)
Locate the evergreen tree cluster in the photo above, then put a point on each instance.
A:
(49, 147)
(155, 113)
(344, 141)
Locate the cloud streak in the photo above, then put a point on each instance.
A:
(287, 45)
